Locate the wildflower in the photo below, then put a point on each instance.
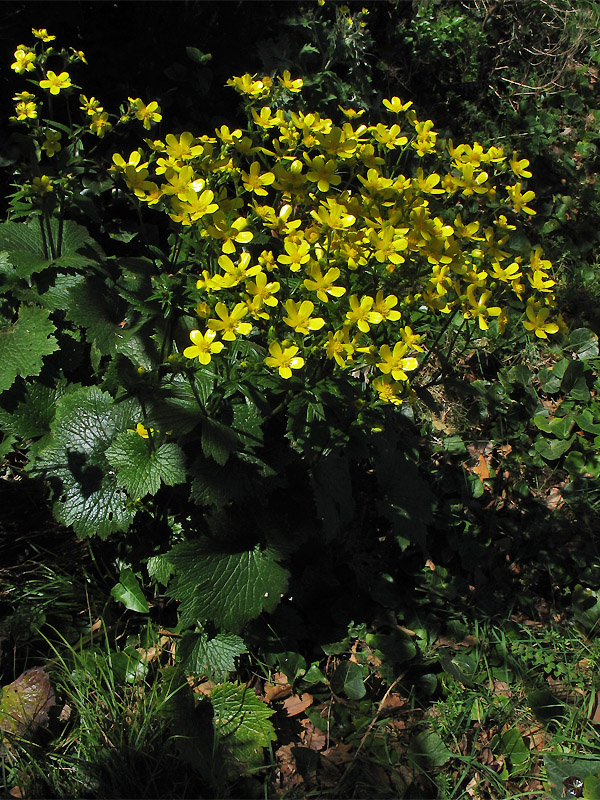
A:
(42, 185)
(24, 60)
(253, 88)
(147, 114)
(393, 361)
(142, 431)
(203, 347)
(385, 306)
(100, 124)
(42, 33)
(352, 113)
(297, 253)
(519, 167)
(90, 106)
(255, 182)
(338, 346)
(134, 160)
(536, 320)
(230, 324)
(289, 84)
(323, 285)
(541, 281)
(396, 105)
(300, 317)
(25, 111)
(322, 172)
(284, 358)
(55, 83)
(235, 231)
(519, 200)
(236, 273)
(361, 313)
(479, 309)
(389, 390)
(51, 143)
(389, 137)
(263, 291)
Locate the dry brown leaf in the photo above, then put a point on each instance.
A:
(595, 710)
(339, 753)
(295, 705)
(392, 702)
(312, 737)
(277, 689)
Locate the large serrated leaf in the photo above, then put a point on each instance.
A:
(24, 243)
(241, 722)
(86, 492)
(24, 345)
(229, 587)
(217, 485)
(32, 417)
(96, 306)
(218, 440)
(213, 658)
(141, 467)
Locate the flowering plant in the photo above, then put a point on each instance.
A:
(289, 290)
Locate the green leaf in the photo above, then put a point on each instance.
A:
(218, 440)
(511, 745)
(24, 345)
(348, 679)
(198, 56)
(213, 658)
(229, 587)
(24, 703)
(428, 750)
(560, 770)
(141, 468)
(552, 449)
(129, 592)
(159, 568)
(241, 723)
(86, 492)
(95, 306)
(34, 414)
(584, 343)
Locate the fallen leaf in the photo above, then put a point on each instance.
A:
(277, 689)
(312, 737)
(24, 703)
(295, 705)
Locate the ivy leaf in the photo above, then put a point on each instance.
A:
(129, 592)
(24, 344)
(141, 467)
(213, 658)
(87, 495)
(229, 587)
(241, 723)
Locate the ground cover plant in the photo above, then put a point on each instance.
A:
(241, 365)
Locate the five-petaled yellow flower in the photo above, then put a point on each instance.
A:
(203, 347)
(284, 358)
(42, 33)
(55, 83)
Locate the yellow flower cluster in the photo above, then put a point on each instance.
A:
(312, 239)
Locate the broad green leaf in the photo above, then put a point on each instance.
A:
(217, 485)
(86, 493)
(511, 745)
(24, 703)
(561, 768)
(228, 587)
(332, 488)
(159, 568)
(32, 417)
(141, 467)
(348, 680)
(241, 723)
(129, 592)
(213, 658)
(24, 243)
(584, 343)
(218, 440)
(552, 449)
(24, 345)
(429, 751)
(96, 306)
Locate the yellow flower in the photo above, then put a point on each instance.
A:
(298, 253)
(289, 84)
(55, 83)
(262, 291)
(396, 105)
(100, 124)
(361, 313)
(479, 309)
(322, 172)
(385, 306)
(203, 347)
(300, 317)
(91, 106)
(236, 273)
(51, 143)
(388, 390)
(253, 88)
(42, 185)
(284, 358)
(393, 361)
(42, 33)
(24, 60)
(351, 113)
(519, 167)
(230, 324)
(541, 281)
(323, 285)
(147, 114)
(255, 182)
(339, 347)
(536, 320)
(519, 200)
(26, 111)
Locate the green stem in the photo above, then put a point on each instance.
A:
(44, 239)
